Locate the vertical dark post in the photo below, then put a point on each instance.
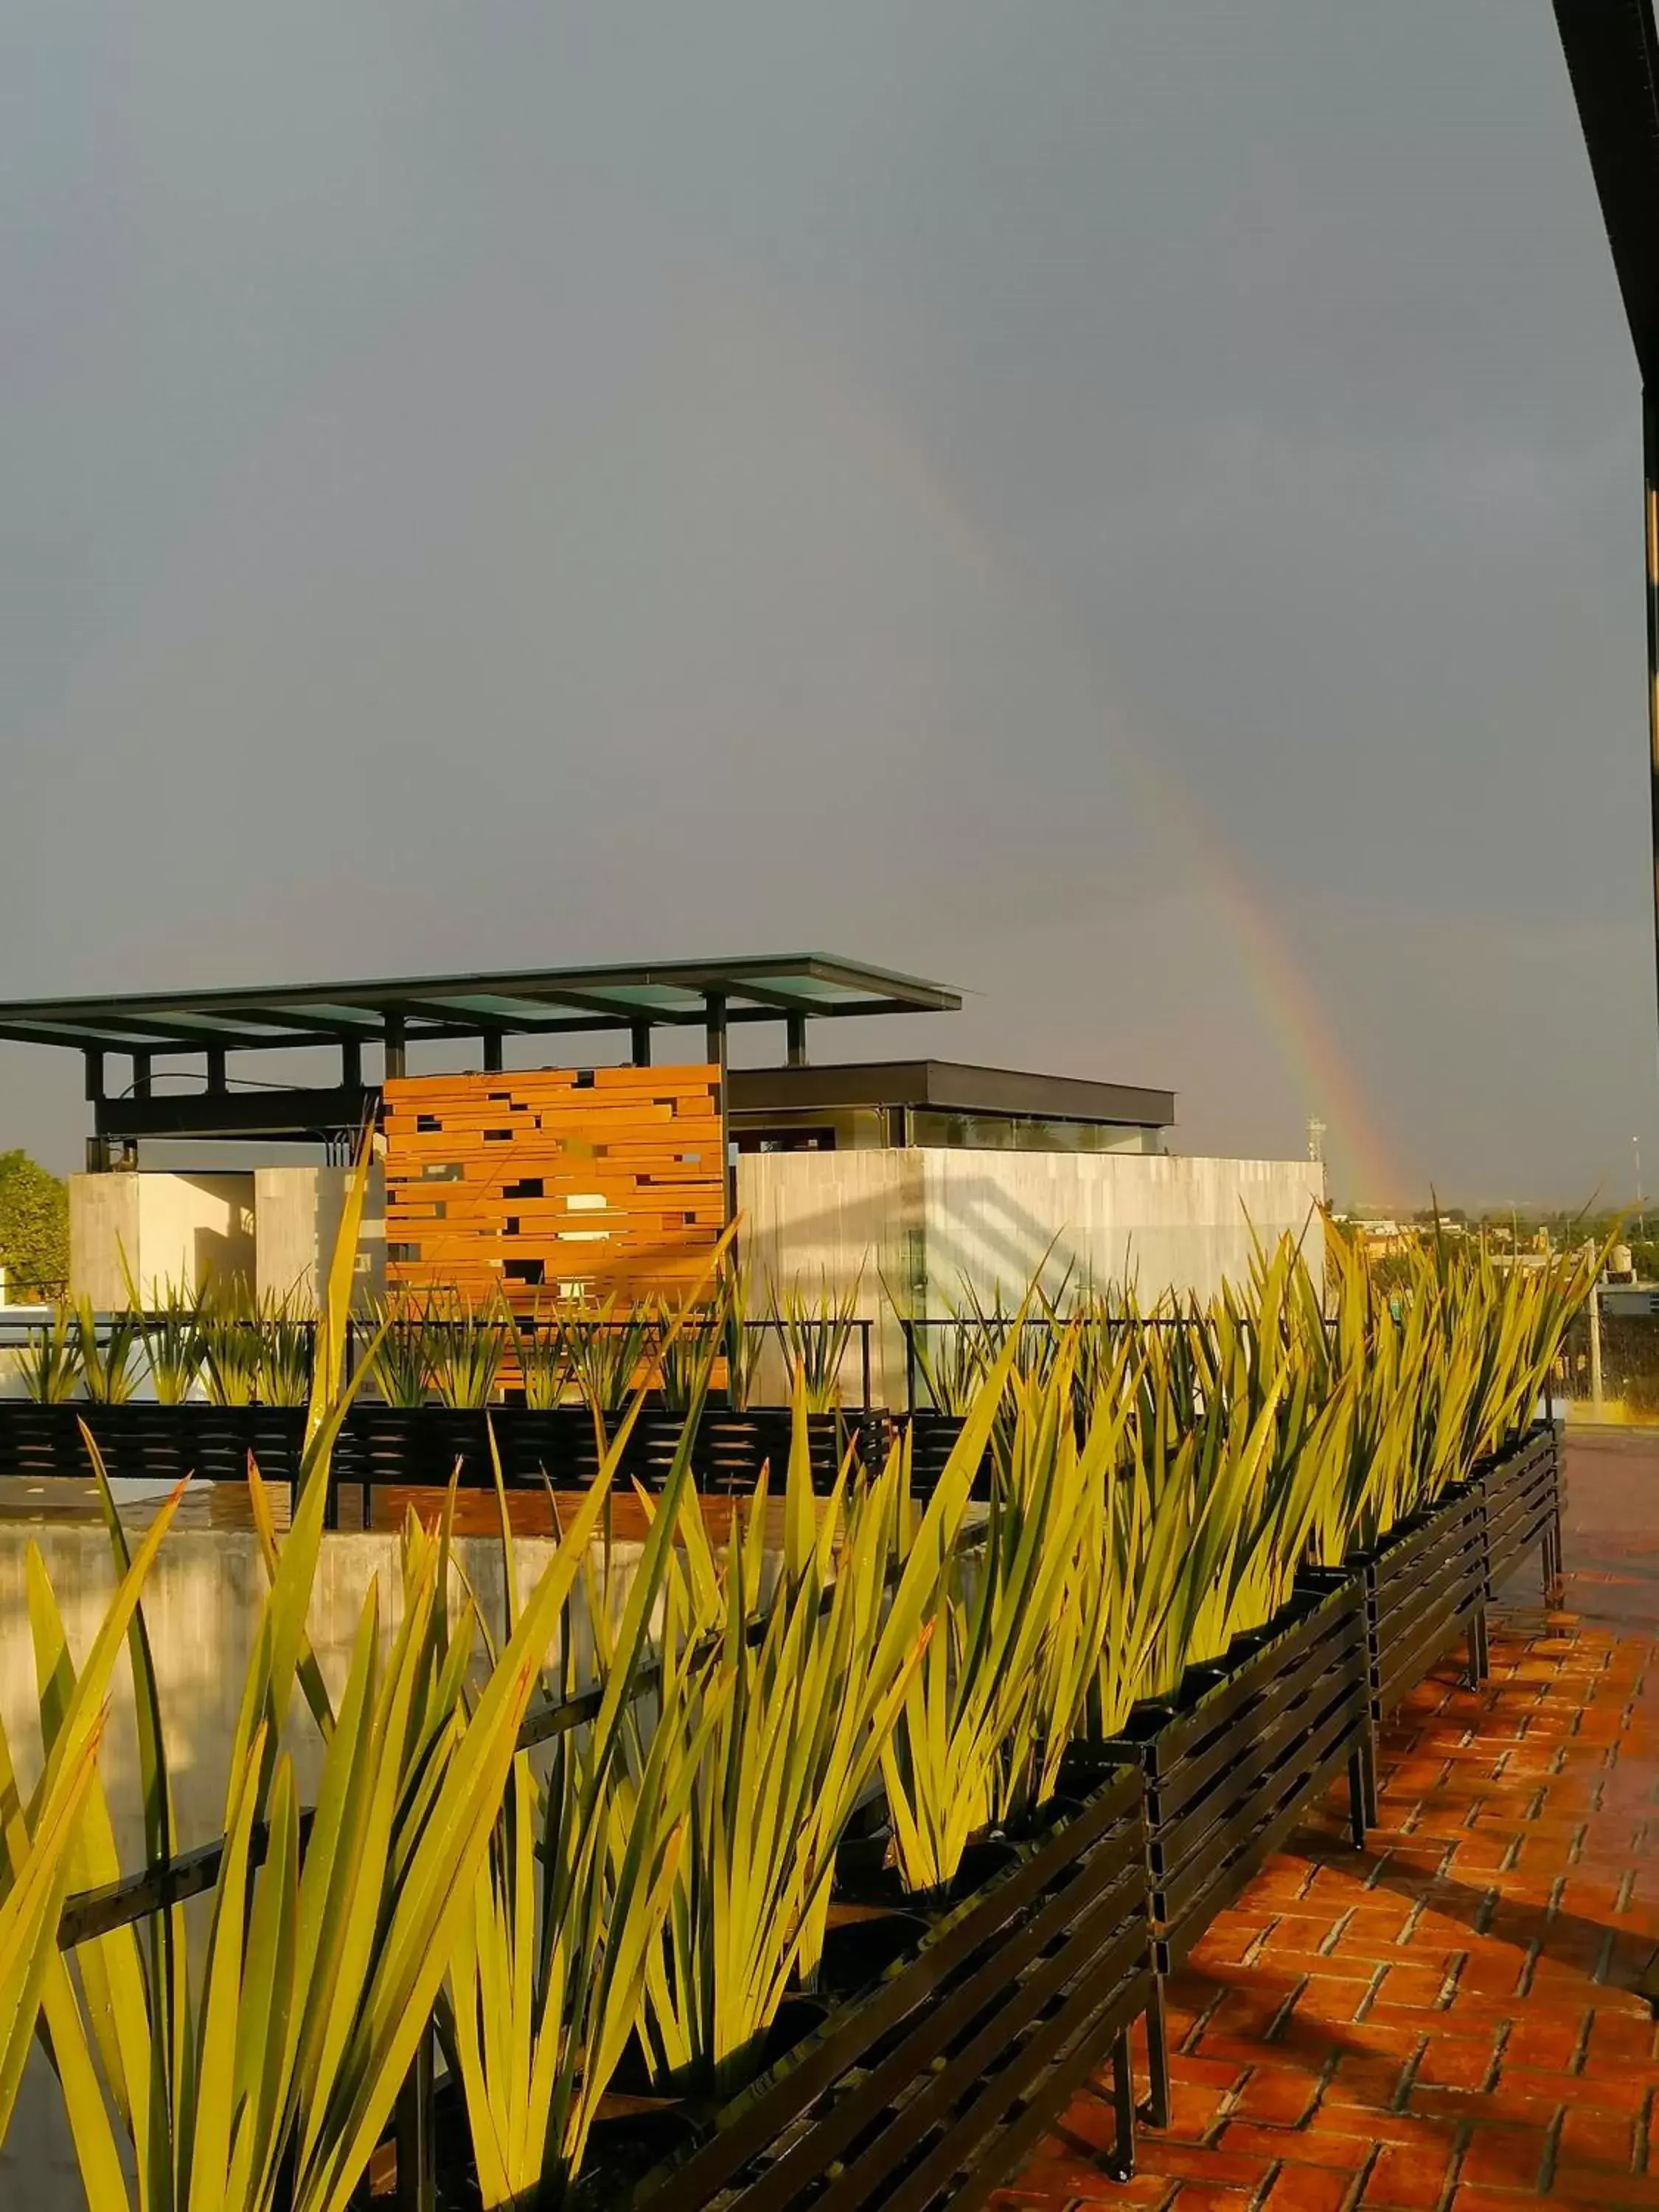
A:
(395, 1065)
(215, 1070)
(864, 1363)
(910, 1328)
(351, 1064)
(795, 1032)
(141, 1075)
(639, 1043)
(1650, 531)
(416, 2147)
(1123, 2099)
(492, 1052)
(715, 1004)
(1159, 2100)
(97, 1150)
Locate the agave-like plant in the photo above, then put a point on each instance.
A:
(41, 1837)
(50, 1363)
(170, 1332)
(547, 1976)
(605, 1347)
(815, 1334)
(745, 1339)
(398, 1368)
(321, 1972)
(798, 1700)
(466, 1350)
(105, 1356)
(539, 1349)
(230, 1323)
(283, 1333)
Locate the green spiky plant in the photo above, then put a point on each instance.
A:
(171, 1334)
(229, 1321)
(41, 1836)
(815, 1334)
(745, 1341)
(106, 1359)
(398, 1368)
(465, 1351)
(539, 1349)
(605, 1347)
(798, 1701)
(284, 1331)
(547, 1981)
(321, 1971)
(50, 1363)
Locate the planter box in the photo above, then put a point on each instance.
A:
(927, 2089)
(1521, 1491)
(1425, 1589)
(144, 1441)
(413, 1446)
(1232, 1762)
(932, 1439)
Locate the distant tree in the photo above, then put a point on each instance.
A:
(33, 1229)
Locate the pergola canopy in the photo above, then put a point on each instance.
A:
(516, 1002)
(391, 1013)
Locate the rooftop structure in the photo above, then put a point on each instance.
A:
(199, 1029)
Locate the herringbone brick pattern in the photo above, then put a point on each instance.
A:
(1448, 2019)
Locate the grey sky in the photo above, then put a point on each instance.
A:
(1006, 491)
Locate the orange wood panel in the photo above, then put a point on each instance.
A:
(630, 1160)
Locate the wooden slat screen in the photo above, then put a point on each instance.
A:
(557, 1183)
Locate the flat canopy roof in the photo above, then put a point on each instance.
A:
(946, 1086)
(516, 1002)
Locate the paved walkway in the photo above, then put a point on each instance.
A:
(1448, 2019)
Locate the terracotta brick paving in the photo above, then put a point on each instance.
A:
(1448, 2021)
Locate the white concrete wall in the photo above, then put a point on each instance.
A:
(297, 1216)
(924, 1220)
(1157, 1223)
(191, 1230)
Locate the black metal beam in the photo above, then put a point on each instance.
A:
(302, 1114)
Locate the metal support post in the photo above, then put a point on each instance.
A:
(141, 1075)
(351, 1063)
(395, 1061)
(416, 2145)
(1122, 2165)
(1159, 2103)
(1651, 517)
(639, 1043)
(715, 1033)
(215, 1069)
(492, 1052)
(795, 1032)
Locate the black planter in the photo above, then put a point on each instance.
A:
(932, 1439)
(1521, 1492)
(1233, 1761)
(1425, 1589)
(928, 2088)
(142, 1441)
(419, 1447)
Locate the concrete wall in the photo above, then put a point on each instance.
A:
(297, 1215)
(191, 1230)
(923, 1221)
